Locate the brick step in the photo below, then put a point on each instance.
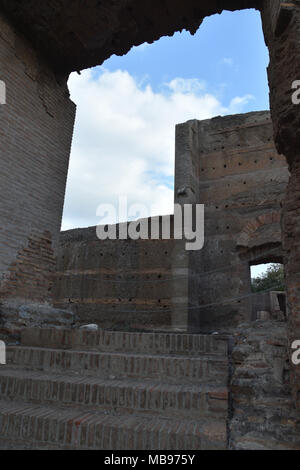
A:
(265, 441)
(46, 427)
(175, 369)
(115, 341)
(194, 401)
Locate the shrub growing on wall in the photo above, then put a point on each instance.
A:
(272, 279)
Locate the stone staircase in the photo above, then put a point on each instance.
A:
(79, 389)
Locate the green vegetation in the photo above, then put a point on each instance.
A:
(272, 279)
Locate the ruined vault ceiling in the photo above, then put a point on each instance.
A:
(76, 34)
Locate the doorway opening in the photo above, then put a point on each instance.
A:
(269, 291)
(267, 276)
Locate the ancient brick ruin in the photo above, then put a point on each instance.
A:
(154, 375)
(229, 164)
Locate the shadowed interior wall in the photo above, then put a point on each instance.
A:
(74, 35)
(230, 164)
(115, 283)
(36, 127)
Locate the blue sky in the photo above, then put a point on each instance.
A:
(127, 109)
(228, 52)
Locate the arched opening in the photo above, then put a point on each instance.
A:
(128, 109)
(124, 145)
(269, 290)
(107, 27)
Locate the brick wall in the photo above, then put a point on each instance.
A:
(230, 164)
(36, 127)
(121, 284)
(262, 411)
(281, 23)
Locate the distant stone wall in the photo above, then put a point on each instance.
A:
(230, 165)
(36, 127)
(265, 302)
(121, 284)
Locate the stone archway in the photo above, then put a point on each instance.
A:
(63, 37)
(251, 236)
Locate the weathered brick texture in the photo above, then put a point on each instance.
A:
(114, 390)
(281, 22)
(31, 276)
(229, 164)
(263, 414)
(36, 127)
(37, 122)
(117, 284)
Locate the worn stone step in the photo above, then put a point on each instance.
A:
(115, 341)
(47, 427)
(175, 369)
(194, 401)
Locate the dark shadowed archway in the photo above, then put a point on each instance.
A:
(63, 36)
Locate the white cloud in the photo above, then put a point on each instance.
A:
(227, 61)
(237, 103)
(124, 142)
(186, 85)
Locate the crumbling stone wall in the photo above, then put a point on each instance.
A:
(119, 284)
(281, 23)
(36, 131)
(71, 38)
(230, 165)
(262, 412)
